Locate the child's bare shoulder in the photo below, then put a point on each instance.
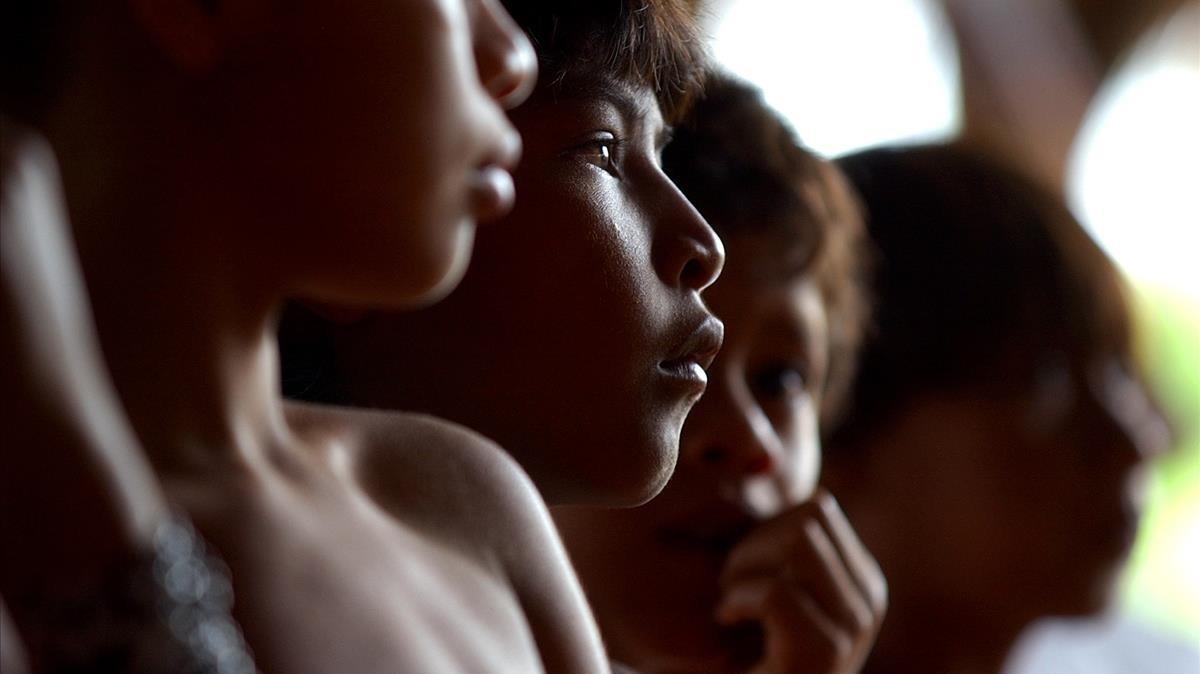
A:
(465, 491)
(437, 476)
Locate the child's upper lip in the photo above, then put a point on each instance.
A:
(504, 153)
(701, 344)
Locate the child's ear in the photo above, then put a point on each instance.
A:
(196, 34)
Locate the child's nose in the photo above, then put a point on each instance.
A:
(693, 255)
(1134, 434)
(728, 439)
(1126, 420)
(505, 58)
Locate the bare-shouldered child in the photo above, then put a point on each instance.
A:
(357, 178)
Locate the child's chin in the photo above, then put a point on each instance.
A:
(444, 269)
(640, 478)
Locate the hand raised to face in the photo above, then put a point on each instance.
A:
(809, 586)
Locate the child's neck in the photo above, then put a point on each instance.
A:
(187, 330)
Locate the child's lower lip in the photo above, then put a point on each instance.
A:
(687, 372)
(491, 192)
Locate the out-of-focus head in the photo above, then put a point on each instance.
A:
(577, 337)
(998, 422)
(747, 172)
(350, 148)
(791, 301)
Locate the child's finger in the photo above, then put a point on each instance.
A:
(799, 636)
(858, 560)
(802, 554)
(824, 569)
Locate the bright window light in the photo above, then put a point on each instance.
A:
(848, 74)
(1136, 171)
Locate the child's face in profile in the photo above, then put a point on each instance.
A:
(750, 449)
(577, 338)
(1037, 490)
(371, 137)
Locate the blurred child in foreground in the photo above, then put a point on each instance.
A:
(219, 157)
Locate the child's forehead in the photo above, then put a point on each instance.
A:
(762, 265)
(633, 101)
(773, 312)
(773, 249)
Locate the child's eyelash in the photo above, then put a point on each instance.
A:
(607, 157)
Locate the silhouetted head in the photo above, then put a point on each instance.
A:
(998, 421)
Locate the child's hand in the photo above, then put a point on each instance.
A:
(808, 581)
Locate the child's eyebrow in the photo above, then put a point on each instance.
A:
(633, 109)
(623, 100)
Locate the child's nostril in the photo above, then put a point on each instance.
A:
(693, 273)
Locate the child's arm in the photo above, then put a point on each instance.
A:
(558, 613)
(77, 497)
(12, 651)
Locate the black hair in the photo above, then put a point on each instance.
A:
(981, 277)
(589, 43)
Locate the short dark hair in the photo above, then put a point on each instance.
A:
(981, 277)
(745, 170)
(585, 43)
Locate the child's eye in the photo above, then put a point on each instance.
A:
(780, 382)
(600, 152)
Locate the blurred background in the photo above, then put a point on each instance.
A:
(1099, 99)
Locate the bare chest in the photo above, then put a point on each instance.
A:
(325, 582)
